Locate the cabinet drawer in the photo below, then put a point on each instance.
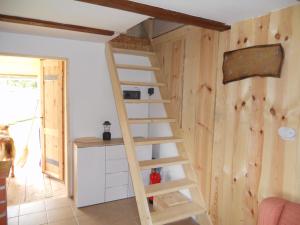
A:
(115, 152)
(116, 179)
(116, 193)
(116, 166)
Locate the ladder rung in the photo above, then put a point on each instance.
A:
(155, 163)
(142, 101)
(176, 213)
(168, 187)
(133, 52)
(137, 67)
(151, 120)
(157, 140)
(147, 84)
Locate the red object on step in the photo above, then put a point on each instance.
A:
(155, 178)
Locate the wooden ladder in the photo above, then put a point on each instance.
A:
(196, 206)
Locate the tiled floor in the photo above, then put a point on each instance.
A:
(63, 212)
(32, 185)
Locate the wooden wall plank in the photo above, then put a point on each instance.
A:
(231, 131)
(250, 160)
(188, 57)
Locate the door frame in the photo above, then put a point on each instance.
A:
(66, 126)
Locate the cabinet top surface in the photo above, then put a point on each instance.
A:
(85, 142)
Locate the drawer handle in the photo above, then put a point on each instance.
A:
(2, 202)
(2, 215)
(2, 187)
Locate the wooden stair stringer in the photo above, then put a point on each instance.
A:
(189, 170)
(137, 180)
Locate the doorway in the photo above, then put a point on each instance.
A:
(33, 105)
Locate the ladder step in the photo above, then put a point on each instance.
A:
(133, 52)
(155, 163)
(176, 213)
(151, 120)
(168, 187)
(157, 140)
(142, 101)
(147, 84)
(137, 67)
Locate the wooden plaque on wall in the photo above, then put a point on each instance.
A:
(261, 60)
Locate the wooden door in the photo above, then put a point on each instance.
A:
(52, 110)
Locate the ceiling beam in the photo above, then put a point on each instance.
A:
(160, 13)
(50, 24)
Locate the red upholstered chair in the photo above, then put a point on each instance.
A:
(276, 211)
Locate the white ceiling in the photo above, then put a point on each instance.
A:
(226, 11)
(70, 12)
(78, 13)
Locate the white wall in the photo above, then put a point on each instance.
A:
(90, 93)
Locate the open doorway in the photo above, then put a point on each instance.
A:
(32, 115)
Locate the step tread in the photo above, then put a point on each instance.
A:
(151, 120)
(155, 163)
(141, 101)
(137, 67)
(148, 84)
(133, 52)
(176, 213)
(157, 140)
(168, 187)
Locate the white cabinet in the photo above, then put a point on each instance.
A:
(89, 176)
(102, 173)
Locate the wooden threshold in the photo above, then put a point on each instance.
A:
(56, 25)
(162, 162)
(157, 140)
(176, 213)
(160, 13)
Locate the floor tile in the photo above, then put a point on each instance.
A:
(13, 211)
(13, 221)
(58, 203)
(32, 207)
(58, 214)
(33, 219)
(70, 221)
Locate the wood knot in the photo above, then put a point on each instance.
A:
(283, 117)
(250, 194)
(272, 111)
(245, 39)
(261, 27)
(235, 107)
(264, 98)
(255, 164)
(286, 38)
(243, 103)
(209, 89)
(234, 179)
(209, 38)
(239, 42)
(261, 132)
(251, 129)
(253, 98)
(277, 36)
(252, 212)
